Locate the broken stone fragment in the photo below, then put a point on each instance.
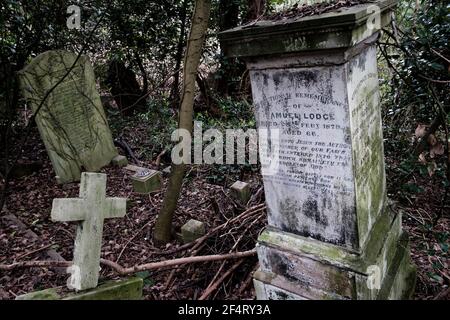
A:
(120, 161)
(146, 181)
(241, 191)
(192, 230)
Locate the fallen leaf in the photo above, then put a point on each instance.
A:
(437, 247)
(422, 158)
(437, 150)
(432, 168)
(432, 140)
(420, 131)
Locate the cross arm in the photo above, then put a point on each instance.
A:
(67, 210)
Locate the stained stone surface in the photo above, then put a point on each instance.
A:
(89, 210)
(71, 121)
(333, 30)
(128, 289)
(120, 161)
(330, 147)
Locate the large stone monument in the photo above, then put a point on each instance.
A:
(332, 233)
(71, 119)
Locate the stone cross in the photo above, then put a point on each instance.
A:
(89, 210)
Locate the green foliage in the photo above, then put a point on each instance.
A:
(145, 275)
(237, 114)
(150, 131)
(416, 87)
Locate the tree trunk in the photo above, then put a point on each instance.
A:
(175, 95)
(163, 227)
(229, 18)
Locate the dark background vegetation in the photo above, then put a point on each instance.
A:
(137, 51)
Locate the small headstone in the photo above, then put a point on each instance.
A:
(146, 181)
(89, 210)
(241, 191)
(120, 161)
(192, 230)
(71, 121)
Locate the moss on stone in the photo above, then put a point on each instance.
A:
(48, 294)
(129, 289)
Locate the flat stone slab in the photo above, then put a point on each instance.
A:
(128, 289)
(134, 168)
(47, 294)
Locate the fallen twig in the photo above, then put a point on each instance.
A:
(247, 281)
(232, 249)
(34, 251)
(215, 285)
(195, 244)
(129, 241)
(34, 264)
(124, 271)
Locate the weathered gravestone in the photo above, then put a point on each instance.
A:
(71, 121)
(332, 233)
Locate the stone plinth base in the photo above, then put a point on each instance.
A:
(129, 289)
(295, 267)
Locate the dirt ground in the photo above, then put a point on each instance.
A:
(128, 241)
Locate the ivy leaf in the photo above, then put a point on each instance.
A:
(437, 66)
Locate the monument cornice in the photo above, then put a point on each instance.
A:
(333, 30)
